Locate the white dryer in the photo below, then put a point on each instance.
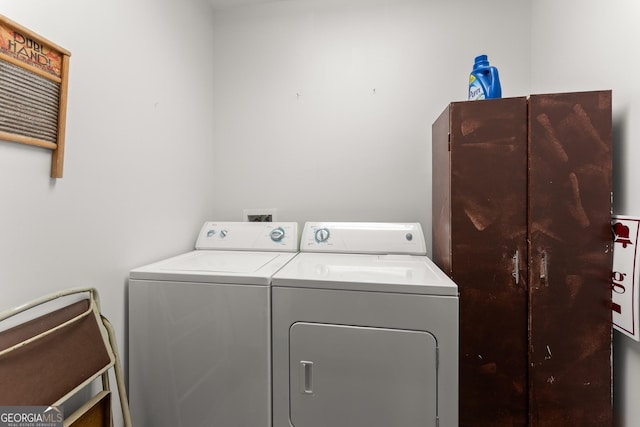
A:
(200, 328)
(365, 331)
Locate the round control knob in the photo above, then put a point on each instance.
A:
(409, 236)
(211, 233)
(322, 235)
(223, 233)
(277, 234)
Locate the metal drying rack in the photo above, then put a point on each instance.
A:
(48, 359)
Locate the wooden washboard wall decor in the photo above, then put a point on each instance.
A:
(33, 91)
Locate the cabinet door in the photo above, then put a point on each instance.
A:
(348, 376)
(483, 213)
(570, 251)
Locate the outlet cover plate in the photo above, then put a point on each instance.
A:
(259, 215)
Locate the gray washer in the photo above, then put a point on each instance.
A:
(199, 330)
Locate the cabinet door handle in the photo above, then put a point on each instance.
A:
(543, 267)
(306, 377)
(516, 267)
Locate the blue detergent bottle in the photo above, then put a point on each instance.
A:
(484, 82)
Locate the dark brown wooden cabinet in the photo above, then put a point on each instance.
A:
(521, 222)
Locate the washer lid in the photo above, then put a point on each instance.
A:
(365, 272)
(242, 267)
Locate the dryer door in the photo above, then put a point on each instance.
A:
(351, 376)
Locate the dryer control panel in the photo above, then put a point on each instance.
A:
(249, 236)
(363, 237)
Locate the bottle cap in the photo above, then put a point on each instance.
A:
(481, 61)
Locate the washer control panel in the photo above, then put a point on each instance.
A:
(257, 236)
(363, 237)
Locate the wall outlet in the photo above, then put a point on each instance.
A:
(259, 215)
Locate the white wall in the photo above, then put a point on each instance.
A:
(585, 45)
(141, 173)
(298, 126)
(137, 176)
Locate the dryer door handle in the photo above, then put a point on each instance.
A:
(306, 377)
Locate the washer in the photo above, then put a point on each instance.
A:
(200, 329)
(365, 331)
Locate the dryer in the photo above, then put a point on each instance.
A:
(365, 331)
(200, 329)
